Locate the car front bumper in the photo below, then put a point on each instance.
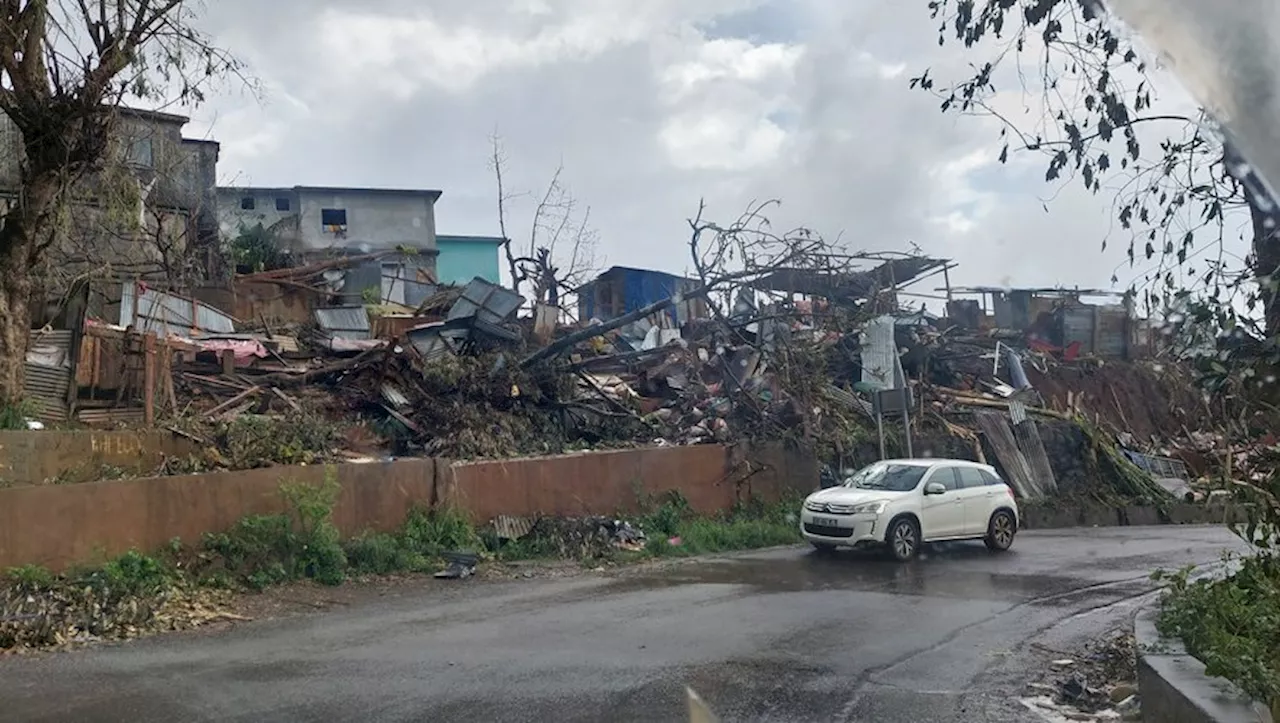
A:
(841, 530)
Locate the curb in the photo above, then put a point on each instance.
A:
(1181, 513)
(1174, 687)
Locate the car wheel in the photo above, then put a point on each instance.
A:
(903, 539)
(823, 548)
(1000, 531)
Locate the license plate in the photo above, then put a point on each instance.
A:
(826, 521)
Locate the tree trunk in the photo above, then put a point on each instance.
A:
(1266, 267)
(26, 222)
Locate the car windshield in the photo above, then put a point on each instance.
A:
(891, 477)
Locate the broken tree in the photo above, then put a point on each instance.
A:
(64, 69)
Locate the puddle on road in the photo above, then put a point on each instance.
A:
(928, 577)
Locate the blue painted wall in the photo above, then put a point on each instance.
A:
(622, 289)
(463, 258)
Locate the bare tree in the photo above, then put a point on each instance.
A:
(65, 67)
(559, 254)
(157, 222)
(1174, 204)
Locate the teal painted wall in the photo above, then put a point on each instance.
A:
(463, 258)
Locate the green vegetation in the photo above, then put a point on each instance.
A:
(256, 248)
(674, 530)
(1231, 624)
(179, 586)
(15, 414)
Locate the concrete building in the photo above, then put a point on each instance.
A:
(311, 222)
(463, 258)
(151, 212)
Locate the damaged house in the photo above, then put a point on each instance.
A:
(1056, 319)
(314, 223)
(150, 213)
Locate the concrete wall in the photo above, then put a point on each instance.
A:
(61, 525)
(383, 220)
(711, 477)
(32, 458)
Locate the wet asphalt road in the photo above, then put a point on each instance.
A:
(780, 635)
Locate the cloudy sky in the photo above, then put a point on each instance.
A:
(650, 105)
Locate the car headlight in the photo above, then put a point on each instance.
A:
(870, 508)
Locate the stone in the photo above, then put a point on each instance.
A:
(1123, 692)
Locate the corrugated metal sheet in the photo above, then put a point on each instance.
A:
(112, 416)
(344, 322)
(1077, 325)
(486, 301)
(429, 341)
(1113, 332)
(47, 388)
(50, 348)
(169, 314)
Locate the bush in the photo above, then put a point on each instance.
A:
(1230, 624)
(263, 550)
(749, 525)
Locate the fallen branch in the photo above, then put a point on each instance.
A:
(250, 392)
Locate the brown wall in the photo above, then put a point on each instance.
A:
(711, 477)
(61, 525)
(36, 457)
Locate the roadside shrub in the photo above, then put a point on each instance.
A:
(263, 550)
(383, 554)
(1230, 624)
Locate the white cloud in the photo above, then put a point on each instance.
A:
(652, 109)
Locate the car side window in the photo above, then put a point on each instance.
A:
(991, 479)
(970, 477)
(945, 476)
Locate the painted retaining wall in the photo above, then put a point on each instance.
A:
(37, 457)
(62, 525)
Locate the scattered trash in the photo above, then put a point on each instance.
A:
(458, 565)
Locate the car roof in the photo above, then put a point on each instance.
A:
(930, 461)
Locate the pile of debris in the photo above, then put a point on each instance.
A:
(1098, 684)
(776, 338)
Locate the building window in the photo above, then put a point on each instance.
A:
(282, 204)
(139, 153)
(247, 203)
(333, 218)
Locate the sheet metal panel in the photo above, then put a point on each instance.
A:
(169, 314)
(344, 322)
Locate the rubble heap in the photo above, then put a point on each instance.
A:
(776, 338)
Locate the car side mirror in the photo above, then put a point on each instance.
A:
(935, 488)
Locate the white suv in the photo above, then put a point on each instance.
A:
(902, 503)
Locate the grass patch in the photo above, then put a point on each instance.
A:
(674, 530)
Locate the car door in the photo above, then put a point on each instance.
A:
(978, 498)
(942, 516)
